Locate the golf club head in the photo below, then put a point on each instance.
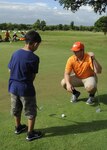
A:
(40, 108)
(98, 110)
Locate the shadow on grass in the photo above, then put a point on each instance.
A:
(103, 99)
(78, 127)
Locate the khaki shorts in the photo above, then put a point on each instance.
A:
(28, 104)
(90, 81)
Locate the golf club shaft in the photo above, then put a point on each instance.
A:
(98, 100)
(37, 107)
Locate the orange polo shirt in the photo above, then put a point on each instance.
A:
(82, 69)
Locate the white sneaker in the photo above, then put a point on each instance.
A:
(90, 101)
(74, 98)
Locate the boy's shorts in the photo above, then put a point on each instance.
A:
(28, 104)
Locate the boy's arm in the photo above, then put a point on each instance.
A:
(9, 70)
(33, 77)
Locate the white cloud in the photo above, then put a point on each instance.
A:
(29, 12)
(55, 8)
(86, 8)
(41, 4)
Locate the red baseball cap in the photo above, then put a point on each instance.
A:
(77, 46)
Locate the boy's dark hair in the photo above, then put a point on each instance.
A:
(32, 36)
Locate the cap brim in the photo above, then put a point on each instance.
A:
(75, 50)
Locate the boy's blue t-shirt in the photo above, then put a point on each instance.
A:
(23, 65)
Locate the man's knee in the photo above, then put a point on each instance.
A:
(90, 88)
(63, 84)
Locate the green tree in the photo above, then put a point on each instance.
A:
(66, 27)
(3, 26)
(72, 25)
(101, 24)
(74, 5)
(43, 25)
(36, 25)
(39, 25)
(60, 27)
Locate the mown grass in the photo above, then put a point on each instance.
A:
(82, 128)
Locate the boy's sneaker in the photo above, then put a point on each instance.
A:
(20, 129)
(74, 98)
(33, 135)
(90, 101)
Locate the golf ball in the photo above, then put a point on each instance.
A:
(63, 115)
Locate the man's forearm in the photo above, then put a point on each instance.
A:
(97, 66)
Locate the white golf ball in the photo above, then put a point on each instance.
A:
(63, 115)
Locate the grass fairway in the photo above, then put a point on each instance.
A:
(82, 128)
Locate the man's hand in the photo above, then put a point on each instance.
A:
(67, 78)
(69, 87)
(96, 65)
(91, 54)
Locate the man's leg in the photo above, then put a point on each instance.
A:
(90, 85)
(75, 83)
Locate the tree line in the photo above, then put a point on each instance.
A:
(41, 25)
(99, 25)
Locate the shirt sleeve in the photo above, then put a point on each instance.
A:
(68, 67)
(35, 65)
(9, 64)
(90, 62)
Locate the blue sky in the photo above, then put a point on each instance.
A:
(28, 11)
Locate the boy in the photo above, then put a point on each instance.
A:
(23, 67)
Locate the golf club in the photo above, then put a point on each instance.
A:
(39, 108)
(98, 99)
(99, 106)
